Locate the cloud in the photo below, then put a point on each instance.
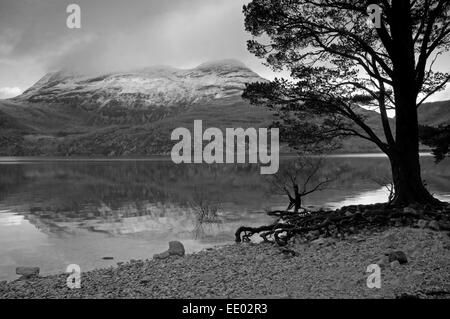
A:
(122, 35)
(116, 35)
(8, 92)
(181, 36)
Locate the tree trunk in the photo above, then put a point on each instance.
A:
(405, 163)
(298, 202)
(404, 156)
(404, 153)
(408, 184)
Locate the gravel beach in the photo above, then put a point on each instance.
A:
(327, 268)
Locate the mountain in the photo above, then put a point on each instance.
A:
(142, 95)
(434, 113)
(125, 113)
(134, 112)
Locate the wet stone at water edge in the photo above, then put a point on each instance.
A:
(27, 272)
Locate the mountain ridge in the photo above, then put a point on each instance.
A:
(133, 112)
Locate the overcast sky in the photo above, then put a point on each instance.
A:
(120, 35)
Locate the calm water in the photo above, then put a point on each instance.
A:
(58, 212)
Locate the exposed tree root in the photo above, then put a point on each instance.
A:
(343, 222)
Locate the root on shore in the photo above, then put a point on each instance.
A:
(344, 221)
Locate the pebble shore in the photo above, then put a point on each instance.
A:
(325, 269)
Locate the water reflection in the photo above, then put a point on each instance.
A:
(53, 213)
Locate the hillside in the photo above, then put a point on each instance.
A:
(133, 113)
(434, 113)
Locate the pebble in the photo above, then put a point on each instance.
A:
(319, 241)
(399, 256)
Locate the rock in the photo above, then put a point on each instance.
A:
(163, 255)
(176, 248)
(394, 264)
(348, 213)
(383, 262)
(400, 256)
(422, 223)
(418, 273)
(433, 225)
(319, 241)
(289, 252)
(27, 271)
(146, 280)
(107, 258)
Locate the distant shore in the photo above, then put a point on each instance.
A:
(164, 157)
(324, 269)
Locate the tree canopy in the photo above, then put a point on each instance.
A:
(338, 62)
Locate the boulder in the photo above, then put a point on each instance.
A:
(27, 271)
(400, 256)
(176, 248)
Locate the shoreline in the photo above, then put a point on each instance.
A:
(166, 157)
(328, 268)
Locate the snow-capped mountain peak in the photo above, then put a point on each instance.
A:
(158, 86)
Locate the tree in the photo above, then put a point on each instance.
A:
(339, 62)
(298, 179)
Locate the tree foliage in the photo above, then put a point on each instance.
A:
(338, 62)
(438, 138)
